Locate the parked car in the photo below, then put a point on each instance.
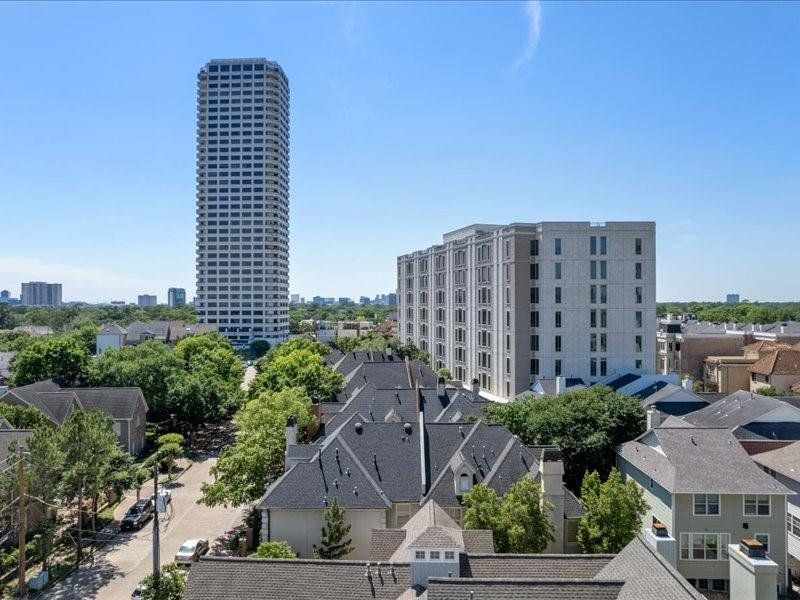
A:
(137, 515)
(191, 551)
(138, 591)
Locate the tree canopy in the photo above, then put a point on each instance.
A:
(297, 368)
(586, 424)
(62, 358)
(23, 417)
(744, 312)
(279, 549)
(171, 584)
(246, 468)
(335, 541)
(519, 520)
(614, 511)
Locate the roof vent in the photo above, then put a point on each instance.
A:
(359, 427)
(407, 427)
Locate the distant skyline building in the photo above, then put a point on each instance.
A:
(243, 199)
(507, 305)
(39, 293)
(176, 297)
(146, 300)
(732, 299)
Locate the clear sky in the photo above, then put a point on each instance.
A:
(408, 120)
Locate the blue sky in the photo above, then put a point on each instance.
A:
(408, 120)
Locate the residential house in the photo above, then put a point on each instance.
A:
(383, 472)
(727, 374)
(760, 423)
(784, 465)
(683, 346)
(125, 405)
(110, 336)
(779, 369)
(705, 492)
(436, 560)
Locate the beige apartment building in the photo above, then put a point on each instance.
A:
(507, 304)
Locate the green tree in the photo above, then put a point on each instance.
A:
(483, 512)
(335, 541)
(23, 417)
(769, 390)
(303, 368)
(259, 348)
(61, 358)
(6, 317)
(140, 476)
(614, 511)
(167, 455)
(525, 518)
(274, 550)
(444, 372)
(586, 424)
(151, 366)
(89, 446)
(519, 520)
(246, 468)
(286, 348)
(171, 584)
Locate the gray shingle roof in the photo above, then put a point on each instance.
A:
(522, 589)
(116, 402)
(112, 328)
(734, 410)
(785, 461)
(533, 566)
(646, 575)
(698, 460)
(384, 543)
(215, 578)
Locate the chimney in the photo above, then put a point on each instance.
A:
(440, 386)
(423, 454)
(653, 418)
(561, 384)
(551, 474)
(687, 384)
(659, 539)
(753, 575)
(476, 390)
(290, 431)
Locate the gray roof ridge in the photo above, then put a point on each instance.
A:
(333, 434)
(514, 555)
(456, 394)
(366, 473)
(544, 580)
(501, 457)
(440, 476)
(294, 561)
(673, 572)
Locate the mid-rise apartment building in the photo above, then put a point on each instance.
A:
(243, 199)
(39, 293)
(146, 300)
(507, 304)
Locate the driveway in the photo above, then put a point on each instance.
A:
(121, 564)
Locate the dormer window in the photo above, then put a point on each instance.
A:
(464, 482)
(419, 554)
(449, 555)
(434, 555)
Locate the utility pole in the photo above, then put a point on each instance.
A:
(23, 527)
(156, 548)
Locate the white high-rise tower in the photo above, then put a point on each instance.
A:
(243, 199)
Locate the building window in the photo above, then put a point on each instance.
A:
(419, 554)
(603, 294)
(603, 367)
(638, 364)
(557, 272)
(638, 270)
(603, 267)
(706, 504)
(603, 318)
(603, 245)
(558, 295)
(704, 546)
(593, 294)
(535, 343)
(434, 555)
(534, 318)
(558, 319)
(535, 366)
(764, 539)
(638, 319)
(534, 295)
(592, 367)
(557, 367)
(557, 343)
(557, 244)
(756, 505)
(534, 247)
(638, 294)
(638, 246)
(592, 318)
(593, 269)
(638, 343)
(449, 555)
(593, 342)
(593, 245)
(535, 271)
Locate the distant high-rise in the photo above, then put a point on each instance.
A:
(243, 199)
(176, 297)
(147, 300)
(39, 293)
(732, 298)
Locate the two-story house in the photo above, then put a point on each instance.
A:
(706, 490)
(784, 465)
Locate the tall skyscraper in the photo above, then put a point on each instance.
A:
(39, 293)
(509, 304)
(176, 297)
(243, 199)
